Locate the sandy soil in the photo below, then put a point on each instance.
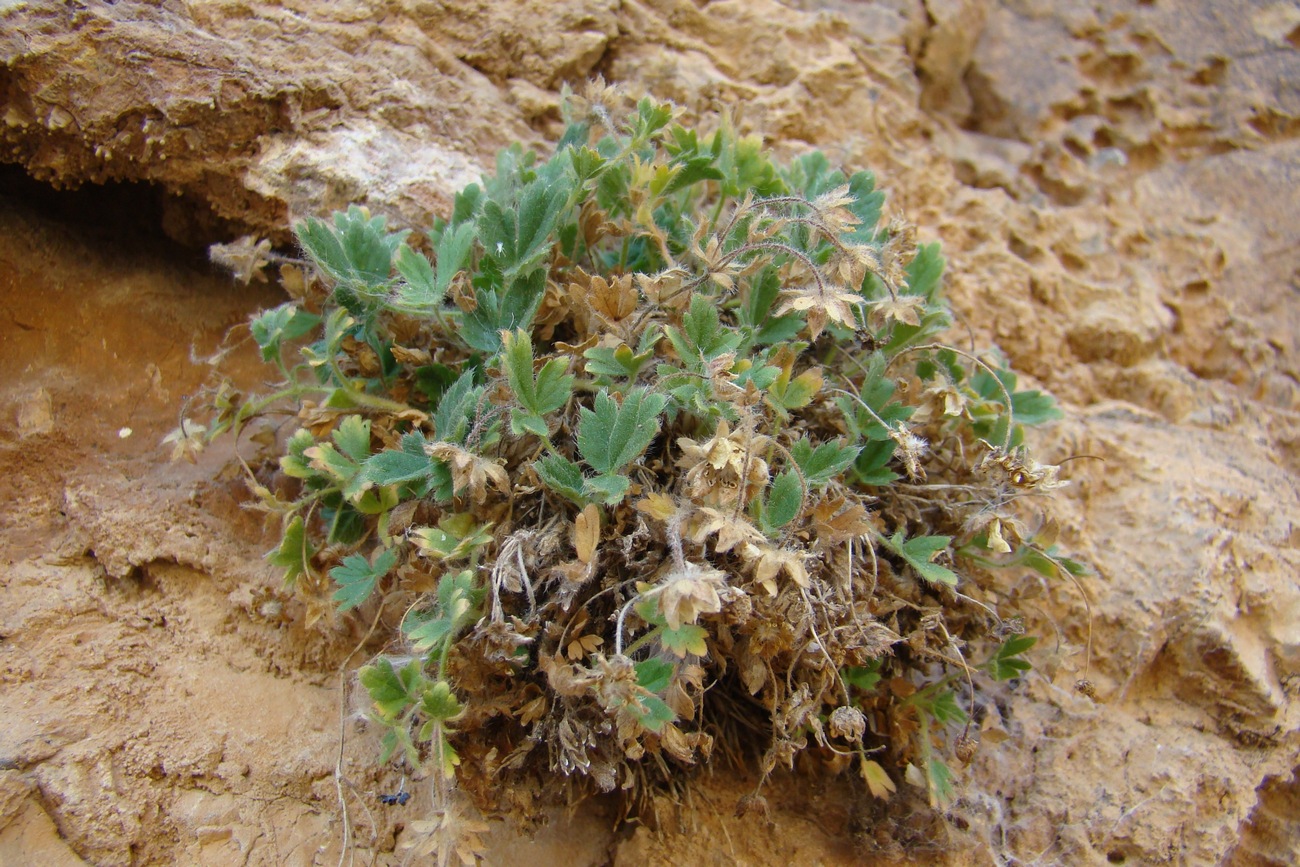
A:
(1115, 188)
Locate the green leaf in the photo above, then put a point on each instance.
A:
(824, 463)
(924, 272)
(587, 164)
(294, 551)
(783, 502)
(702, 337)
(655, 674)
(353, 437)
(866, 206)
(944, 708)
(418, 291)
(392, 467)
(653, 713)
(356, 577)
(939, 777)
(1006, 663)
(356, 249)
(872, 464)
(864, 678)
(755, 311)
(295, 462)
(562, 476)
(393, 690)
(517, 239)
(457, 409)
(650, 117)
(607, 488)
(1034, 407)
(454, 247)
(612, 436)
(920, 552)
(286, 322)
(440, 703)
(687, 638)
(787, 393)
(455, 609)
(620, 361)
(552, 386)
(496, 312)
(455, 538)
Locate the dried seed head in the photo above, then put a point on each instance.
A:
(848, 723)
(911, 448)
(966, 748)
(716, 467)
(689, 592)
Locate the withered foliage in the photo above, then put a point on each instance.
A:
(663, 458)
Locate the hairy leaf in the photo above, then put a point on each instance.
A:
(1006, 663)
(611, 435)
(825, 462)
(920, 552)
(357, 576)
(294, 551)
(562, 476)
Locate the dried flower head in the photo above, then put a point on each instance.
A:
(470, 472)
(821, 302)
(688, 591)
(716, 467)
(848, 723)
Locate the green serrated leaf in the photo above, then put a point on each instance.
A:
(455, 538)
(783, 502)
(824, 463)
(920, 552)
(353, 437)
(454, 248)
(687, 638)
(357, 249)
(607, 488)
(544, 394)
(861, 677)
(496, 311)
(392, 467)
(392, 690)
(440, 703)
(287, 322)
(939, 778)
(702, 337)
(456, 409)
(795, 393)
(611, 436)
(1006, 663)
(455, 609)
(418, 289)
(1034, 407)
(294, 551)
(655, 674)
(655, 714)
(357, 576)
(562, 476)
(944, 708)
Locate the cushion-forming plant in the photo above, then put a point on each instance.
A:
(659, 449)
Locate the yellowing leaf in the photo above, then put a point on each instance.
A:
(586, 532)
(877, 780)
(659, 506)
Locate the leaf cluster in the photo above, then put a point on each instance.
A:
(651, 419)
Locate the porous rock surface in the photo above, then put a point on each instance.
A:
(1114, 184)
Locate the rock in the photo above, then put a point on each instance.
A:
(1109, 180)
